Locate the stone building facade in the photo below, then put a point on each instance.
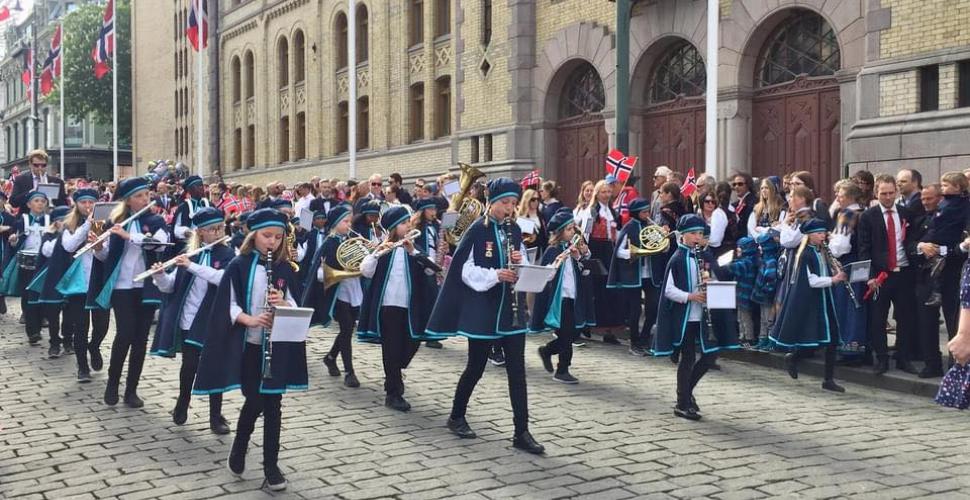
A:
(829, 86)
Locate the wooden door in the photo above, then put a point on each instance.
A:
(673, 135)
(582, 148)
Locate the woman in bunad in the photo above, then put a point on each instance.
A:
(186, 311)
(797, 212)
(565, 304)
(395, 309)
(239, 351)
(603, 226)
(581, 212)
(74, 283)
(41, 292)
(843, 243)
(113, 287)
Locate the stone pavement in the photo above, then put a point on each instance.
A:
(612, 436)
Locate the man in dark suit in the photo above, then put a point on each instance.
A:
(25, 183)
(743, 186)
(884, 239)
(909, 182)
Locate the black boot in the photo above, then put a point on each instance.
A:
(111, 393)
(791, 364)
(527, 443)
(546, 358)
(97, 362)
(830, 385)
(237, 455)
(181, 412)
(460, 428)
(132, 400)
(274, 479)
(218, 425)
(331, 364)
(396, 402)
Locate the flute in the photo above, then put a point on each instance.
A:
(171, 262)
(105, 235)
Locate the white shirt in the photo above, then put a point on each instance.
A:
(623, 252)
(694, 311)
(132, 261)
(254, 335)
(180, 230)
(719, 223)
(790, 235)
(823, 280)
(72, 242)
(568, 279)
(482, 279)
(840, 241)
(302, 203)
(205, 276)
(47, 249)
(396, 294)
(39, 180)
(901, 259)
(348, 290)
(34, 232)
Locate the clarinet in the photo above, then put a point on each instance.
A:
(268, 332)
(702, 276)
(836, 268)
(516, 323)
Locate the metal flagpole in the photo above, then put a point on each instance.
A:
(32, 133)
(61, 92)
(114, 87)
(198, 85)
(352, 88)
(710, 152)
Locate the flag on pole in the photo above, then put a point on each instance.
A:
(690, 183)
(619, 165)
(28, 74)
(192, 31)
(4, 13)
(52, 65)
(104, 47)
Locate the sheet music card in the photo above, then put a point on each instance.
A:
(449, 219)
(451, 188)
(533, 278)
(306, 219)
(721, 295)
(51, 191)
(291, 324)
(859, 271)
(102, 210)
(528, 226)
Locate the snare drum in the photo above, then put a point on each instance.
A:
(27, 260)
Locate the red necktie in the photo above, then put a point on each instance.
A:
(891, 237)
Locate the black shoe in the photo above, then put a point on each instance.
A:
(546, 359)
(907, 367)
(882, 366)
(274, 479)
(237, 457)
(675, 356)
(931, 372)
(97, 362)
(527, 443)
(934, 300)
(565, 378)
(68, 349)
(83, 376)
(791, 365)
(497, 358)
(54, 352)
(433, 344)
(638, 351)
(460, 428)
(34, 341)
(219, 425)
(830, 385)
(181, 412)
(111, 393)
(687, 413)
(350, 380)
(579, 343)
(397, 403)
(133, 401)
(693, 405)
(609, 338)
(331, 364)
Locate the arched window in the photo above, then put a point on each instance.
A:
(680, 73)
(363, 123)
(583, 93)
(341, 31)
(361, 33)
(283, 60)
(804, 44)
(416, 114)
(442, 107)
(299, 57)
(250, 74)
(236, 80)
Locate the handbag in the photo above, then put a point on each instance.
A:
(955, 388)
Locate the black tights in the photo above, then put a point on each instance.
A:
(270, 406)
(346, 316)
(397, 348)
(690, 373)
(830, 353)
(514, 346)
(133, 320)
(77, 320)
(565, 335)
(190, 365)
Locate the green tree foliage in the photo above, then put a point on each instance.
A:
(84, 94)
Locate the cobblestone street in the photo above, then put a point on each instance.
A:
(612, 436)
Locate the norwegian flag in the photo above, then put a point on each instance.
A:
(52, 65)
(619, 165)
(230, 204)
(532, 179)
(104, 47)
(27, 77)
(192, 31)
(4, 14)
(690, 183)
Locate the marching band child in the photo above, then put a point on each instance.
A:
(186, 311)
(396, 306)
(566, 303)
(765, 284)
(239, 351)
(125, 255)
(73, 284)
(182, 222)
(26, 239)
(683, 318)
(745, 269)
(808, 317)
(426, 212)
(41, 293)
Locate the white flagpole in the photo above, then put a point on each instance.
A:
(63, 45)
(114, 88)
(198, 86)
(352, 88)
(710, 153)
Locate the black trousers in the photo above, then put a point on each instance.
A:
(190, 365)
(134, 320)
(33, 314)
(928, 318)
(690, 370)
(52, 313)
(346, 316)
(645, 299)
(77, 320)
(831, 351)
(270, 406)
(565, 335)
(397, 347)
(514, 346)
(899, 291)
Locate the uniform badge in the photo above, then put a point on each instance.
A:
(489, 246)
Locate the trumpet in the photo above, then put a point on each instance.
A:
(171, 262)
(410, 236)
(105, 235)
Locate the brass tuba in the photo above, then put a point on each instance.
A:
(350, 254)
(469, 209)
(653, 240)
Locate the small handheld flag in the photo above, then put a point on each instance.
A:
(690, 183)
(619, 165)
